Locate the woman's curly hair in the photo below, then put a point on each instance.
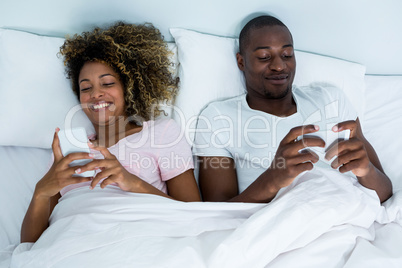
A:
(137, 53)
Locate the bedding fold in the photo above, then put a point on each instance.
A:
(111, 228)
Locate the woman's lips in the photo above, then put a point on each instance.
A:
(99, 106)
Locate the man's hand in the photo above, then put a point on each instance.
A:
(351, 155)
(290, 159)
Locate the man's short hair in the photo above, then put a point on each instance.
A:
(256, 23)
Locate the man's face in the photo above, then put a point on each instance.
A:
(268, 62)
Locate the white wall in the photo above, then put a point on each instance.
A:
(364, 31)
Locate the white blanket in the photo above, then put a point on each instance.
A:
(324, 219)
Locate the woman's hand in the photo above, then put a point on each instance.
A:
(60, 174)
(112, 171)
(182, 187)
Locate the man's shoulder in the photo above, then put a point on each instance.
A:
(318, 91)
(226, 104)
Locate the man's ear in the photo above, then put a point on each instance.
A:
(240, 61)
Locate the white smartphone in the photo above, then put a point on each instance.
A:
(330, 137)
(75, 140)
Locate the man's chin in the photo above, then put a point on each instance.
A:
(278, 94)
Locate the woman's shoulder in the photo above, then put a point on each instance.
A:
(156, 129)
(166, 131)
(162, 124)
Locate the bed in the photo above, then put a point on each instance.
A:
(321, 220)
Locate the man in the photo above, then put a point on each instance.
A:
(248, 146)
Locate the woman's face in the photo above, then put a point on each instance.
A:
(101, 94)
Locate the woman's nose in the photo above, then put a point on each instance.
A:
(96, 92)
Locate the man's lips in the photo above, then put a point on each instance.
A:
(278, 79)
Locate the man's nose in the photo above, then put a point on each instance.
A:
(277, 64)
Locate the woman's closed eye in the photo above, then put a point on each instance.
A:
(108, 84)
(85, 89)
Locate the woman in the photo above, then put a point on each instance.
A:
(120, 75)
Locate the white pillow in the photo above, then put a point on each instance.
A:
(36, 95)
(349, 76)
(21, 168)
(208, 71)
(382, 123)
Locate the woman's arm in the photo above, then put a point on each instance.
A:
(36, 219)
(182, 187)
(46, 194)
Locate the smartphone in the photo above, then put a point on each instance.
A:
(75, 140)
(330, 137)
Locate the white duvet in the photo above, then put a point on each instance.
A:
(324, 219)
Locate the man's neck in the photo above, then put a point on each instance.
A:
(278, 107)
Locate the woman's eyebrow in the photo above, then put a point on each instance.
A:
(101, 76)
(83, 80)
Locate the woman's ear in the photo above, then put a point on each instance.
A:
(240, 61)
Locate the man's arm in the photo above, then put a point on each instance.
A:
(358, 156)
(218, 179)
(218, 183)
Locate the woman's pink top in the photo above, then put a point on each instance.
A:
(159, 152)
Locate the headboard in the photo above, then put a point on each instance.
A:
(363, 31)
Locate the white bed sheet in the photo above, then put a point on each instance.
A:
(21, 168)
(382, 123)
(380, 243)
(319, 221)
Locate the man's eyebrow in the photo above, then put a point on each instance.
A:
(268, 47)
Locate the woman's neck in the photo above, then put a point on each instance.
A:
(109, 134)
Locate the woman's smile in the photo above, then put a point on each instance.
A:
(101, 93)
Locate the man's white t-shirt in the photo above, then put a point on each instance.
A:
(230, 128)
